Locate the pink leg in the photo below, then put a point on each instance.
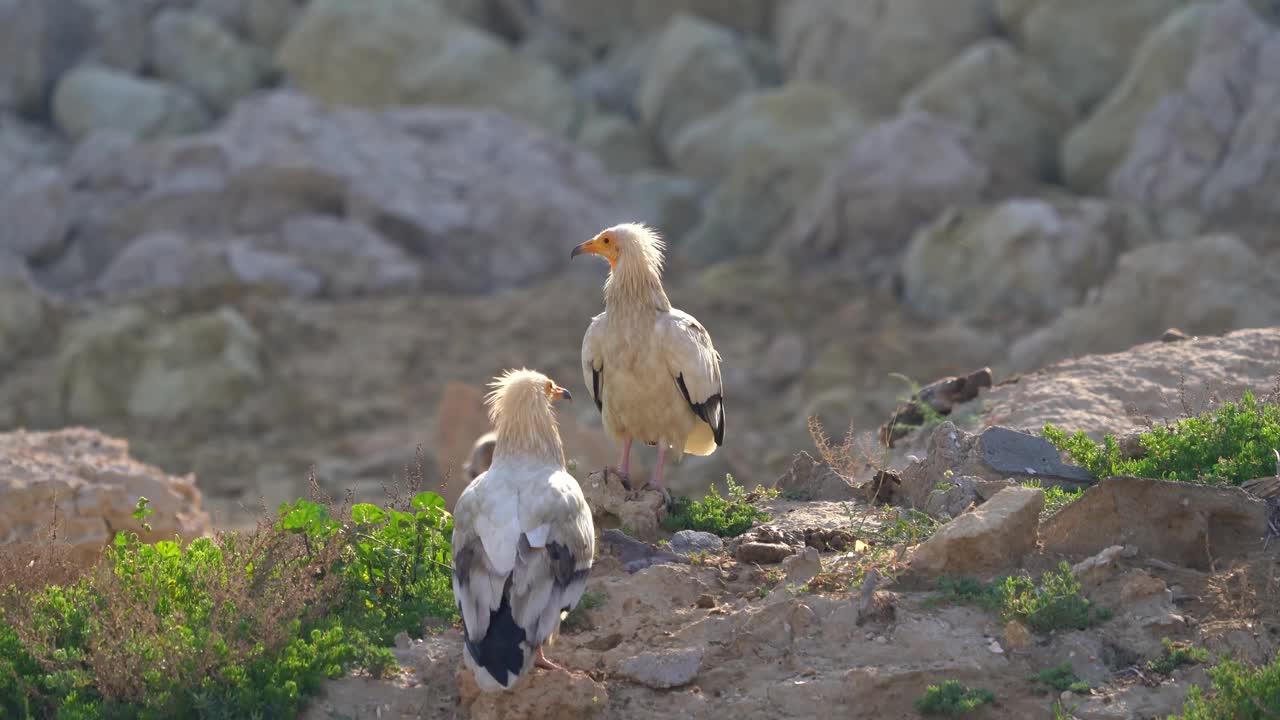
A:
(541, 661)
(657, 474)
(624, 468)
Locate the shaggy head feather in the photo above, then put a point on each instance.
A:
(520, 408)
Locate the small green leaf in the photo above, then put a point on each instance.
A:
(427, 501)
(367, 514)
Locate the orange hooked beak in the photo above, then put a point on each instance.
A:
(602, 245)
(555, 392)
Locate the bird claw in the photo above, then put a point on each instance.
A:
(624, 478)
(541, 661)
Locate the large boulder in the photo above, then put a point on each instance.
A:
(1199, 157)
(39, 40)
(989, 540)
(697, 68)
(196, 51)
(872, 51)
(379, 53)
(1204, 286)
(36, 209)
(124, 363)
(606, 23)
(85, 484)
(768, 150)
(1019, 261)
(412, 187)
(1097, 145)
(24, 146)
(93, 97)
(1016, 112)
(896, 177)
(26, 312)
(1086, 45)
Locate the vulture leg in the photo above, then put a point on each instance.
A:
(541, 661)
(624, 467)
(657, 474)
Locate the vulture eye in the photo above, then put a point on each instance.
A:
(606, 241)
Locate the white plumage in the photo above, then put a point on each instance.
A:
(523, 539)
(651, 368)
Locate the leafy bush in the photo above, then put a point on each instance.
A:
(1239, 691)
(1176, 655)
(1055, 497)
(952, 698)
(726, 517)
(1055, 604)
(1061, 678)
(1226, 446)
(241, 625)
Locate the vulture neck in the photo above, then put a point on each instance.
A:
(635, 288)
(528, 433)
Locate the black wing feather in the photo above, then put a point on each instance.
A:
(711, 411)
(597, 387)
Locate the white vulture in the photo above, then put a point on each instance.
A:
(651, 369)
(523, 539)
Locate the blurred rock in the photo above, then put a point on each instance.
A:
(121, 28)
(986, 541)
(663, 669)
(1184, 523)
(164, 261)
(605, 23)
(671, 203)
(1020, 262)
(36, 212)
(26, 312)
(98, 98)
(764, 553)
(614, 505)
(697, 68)
(264, 22)
(1085, 45)
(123, 363)
(195, 51)
(1159, 68)
(24, 146)
(898, 176)
(613, 83)
(691, 542)
(39, 41)
(809, 479)
(1205, 286)
(1196, 159)
(381, 53)
(938, 398)
(90, 484)
(1015, 111)
(875, 52)
(413, 188)
(622, 145)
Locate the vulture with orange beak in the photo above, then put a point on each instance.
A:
(523, 538)
(651, 369)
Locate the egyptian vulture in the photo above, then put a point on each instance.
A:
(651, 369)
(523, 539)
(481, 455)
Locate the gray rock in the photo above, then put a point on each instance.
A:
(36, 211)
(690, 542)
(605, 23)
(955, 500)
(697, 69)
(26, 312)
(195, 51)
(987, 541)
(99, 98)
(1013, 453)
(636, 555)
(672, 203)
(663, 669)
(163, 261)
(620, 144)
(874, 52)
(764, 552)
(39, 41)
(809, 479)
(897, 177)
(379, 53)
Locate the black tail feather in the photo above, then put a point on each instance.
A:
(500, 651)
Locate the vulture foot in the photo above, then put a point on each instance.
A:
(620, 474)
(541, 661)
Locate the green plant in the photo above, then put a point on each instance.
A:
(1227, 445)
(952, 698)
(1062, 712)
(1055, 604)
(578, 618)
(240, 625)
(1177, 655)
(1055, 497)
(908, 526)
(726, 517)
(1238, 691)
(1061, 678)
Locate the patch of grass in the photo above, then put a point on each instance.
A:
(953, 698)
(1061, 678)
(241, 625)
(1238, 690)
(1228, 445)
(1055, 497)
(1177, 655)
(908, 526)
(1055, 604)
(579, 618)
(1062, 712)
(726, 517)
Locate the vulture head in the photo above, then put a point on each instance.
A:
(631, 243)
(520, 408)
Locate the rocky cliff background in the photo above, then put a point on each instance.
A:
(259, 236)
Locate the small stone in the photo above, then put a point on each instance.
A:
(403, 641)
(664, 668)
(881, 640)
(802, 567)
(705, 601)
(1017, 636)
(762, 552)
(1174, 335)
(689, 542)
(995, 647)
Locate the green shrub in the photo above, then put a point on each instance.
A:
(952, 698)
(1055, 604)
(1061, 678)
(1238, 691)
(726, 517)
(1226, 446)
(1055, 497)
(242, 625)
(1176, 655)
